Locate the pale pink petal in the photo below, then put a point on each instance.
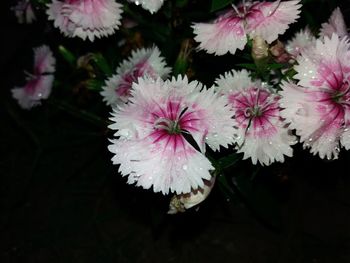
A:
(260, 132)
(345, 138)
(33, 92)
(85, 18)
(44, 61)
(150, 5)
(225, 34)
(301, 41)
(325, 64)
(335, 24)
(270, 19)
(142, 62)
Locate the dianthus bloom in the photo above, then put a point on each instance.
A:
(24, 12)
(261, 133)
(152, 145)
(230, 30)
(142, 62)
(300, 42)
(318, 106)
(335, 24)
(150, 5)
(39, 83)
(85, 18)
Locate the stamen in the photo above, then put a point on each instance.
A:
(170, 126)
(236, 9)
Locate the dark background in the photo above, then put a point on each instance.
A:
(61, 199)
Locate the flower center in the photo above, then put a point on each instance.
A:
(254, 111)
(342, 96)
(171, 126)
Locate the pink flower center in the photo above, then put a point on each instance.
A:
(342, 95)
(32, 81)
(333, 94)
(171, 121)
(255, 108)
(140, 69)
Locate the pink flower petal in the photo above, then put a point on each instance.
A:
(270, 19)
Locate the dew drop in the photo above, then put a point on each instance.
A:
(184, 167)
(301, 112)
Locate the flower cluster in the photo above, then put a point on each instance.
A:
(166, 128)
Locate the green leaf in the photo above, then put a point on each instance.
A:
(229, 160)
(102, 63)
(275, 66)
(250, 66)
(95, 84)
(67, 55)
(181, 3)
(219, 4)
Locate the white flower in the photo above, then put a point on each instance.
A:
(230, 30)
(318, 106)
(261, 134)
(142, 62)
(39, 83)
(85, 18)
(151, 145)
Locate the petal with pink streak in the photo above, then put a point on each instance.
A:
(170, 164)
(270, 19)
(142, 62)
(33, 92)
(225, 34)
(335, 24)
(44, 61)
(315, 117)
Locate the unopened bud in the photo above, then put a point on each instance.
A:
(260, 48)
(179, 203)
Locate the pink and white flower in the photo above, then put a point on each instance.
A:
(24, 12)
(39, 84)
(318, 106)
(150, 5)
(260, 132)
(302, 40)
(335, 24)
(85, 18)
(230, 30)
(151, 145)
(142, 62)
